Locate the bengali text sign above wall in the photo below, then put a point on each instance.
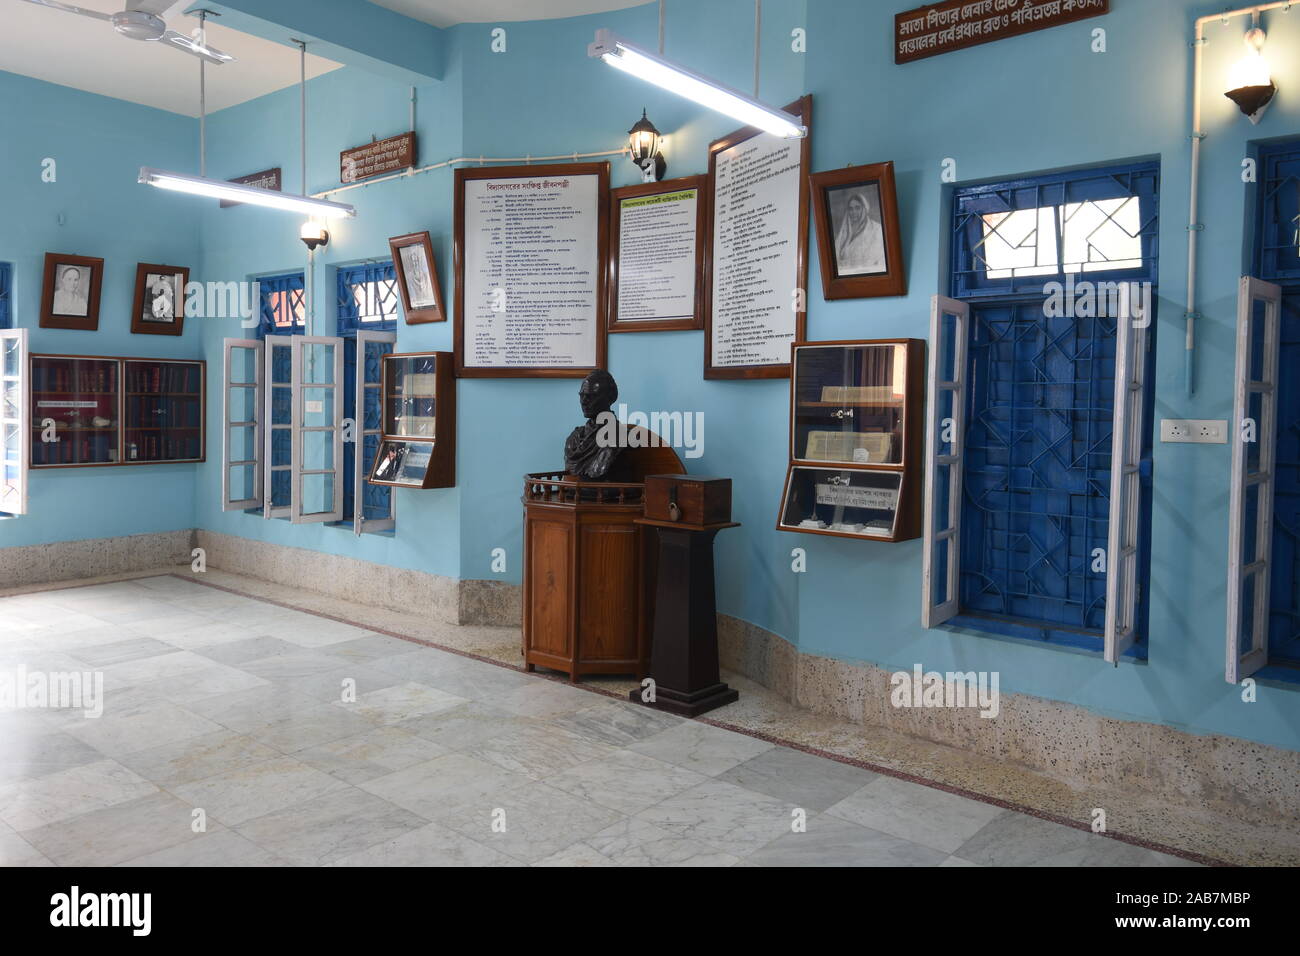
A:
(957, 24)
(374, 159)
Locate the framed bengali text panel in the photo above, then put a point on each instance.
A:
(958, 24)
(657, 233)
(531, 259)
(756, 263)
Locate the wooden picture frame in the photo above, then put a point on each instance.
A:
(873, 242)
(781, 369)
(599, 268)
(429, 306)
(159, 287)
(695, 318)
(79, 302)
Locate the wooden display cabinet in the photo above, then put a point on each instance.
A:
(117, 411)
(417, 445)
(856, 439)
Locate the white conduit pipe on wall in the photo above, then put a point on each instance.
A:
(1194, 226)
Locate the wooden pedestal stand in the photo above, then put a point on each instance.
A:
(684, 649)
(588, 569)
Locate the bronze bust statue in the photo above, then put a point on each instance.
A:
(584, 455)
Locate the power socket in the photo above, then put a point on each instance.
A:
(1196, 431)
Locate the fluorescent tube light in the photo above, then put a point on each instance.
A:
(235, 192)
(677, 79)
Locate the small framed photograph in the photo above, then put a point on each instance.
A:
(417, 278)
(856, 211)
(70, 292)
(159, 299)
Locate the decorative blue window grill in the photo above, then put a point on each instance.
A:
(367, 297)
(1038, 260)
(1277, 242)
(6, 296)
(283, 305)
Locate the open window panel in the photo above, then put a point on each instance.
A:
(277, 426)
(242, 410)
(317, 432)
(1124, 527)
(15, 424)
(1254, 451)
(374, 508)
(944, 443)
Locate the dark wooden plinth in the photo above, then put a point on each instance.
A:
(684, 648)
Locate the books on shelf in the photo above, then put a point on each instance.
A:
(861, 447)
(860, 393)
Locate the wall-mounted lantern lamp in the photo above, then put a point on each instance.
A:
(313, 234)
(1249, 84)
(643, 141)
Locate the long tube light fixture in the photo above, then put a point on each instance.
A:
(675, 78)
(236, 192)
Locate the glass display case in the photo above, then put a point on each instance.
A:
(162, 414)
(856, 406)
(417, 442)
(89, 410)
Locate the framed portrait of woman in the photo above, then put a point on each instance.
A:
(417, 278)
(70, 292)
(159, 307)
(856, 212)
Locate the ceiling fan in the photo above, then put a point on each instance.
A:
(142, 20)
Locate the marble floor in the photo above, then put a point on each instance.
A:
(239, 732)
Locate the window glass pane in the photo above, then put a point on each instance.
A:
(317, 407)
(1102, 234)
(242, 487)
(241, 404)
(318, 450)
(1021, 243)
(317, 493)
(243, 443)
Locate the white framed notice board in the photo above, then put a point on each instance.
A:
(530, 261)
(757, 262)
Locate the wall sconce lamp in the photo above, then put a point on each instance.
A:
(1250, 85)
(643, 143)
(313, 234)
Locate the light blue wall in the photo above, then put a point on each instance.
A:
(345, 108)
(1024, 105)
(94, 208)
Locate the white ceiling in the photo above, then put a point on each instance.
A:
(445, 13)
(89, 55)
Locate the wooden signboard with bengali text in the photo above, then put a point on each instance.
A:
(374, 159)
(958, 24)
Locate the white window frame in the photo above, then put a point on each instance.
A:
(23, 420)
(361, 468)
(944, 454)
(1125, 519)
(1242, 568)
(301, 343)
(269, 467)
(258, 405)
